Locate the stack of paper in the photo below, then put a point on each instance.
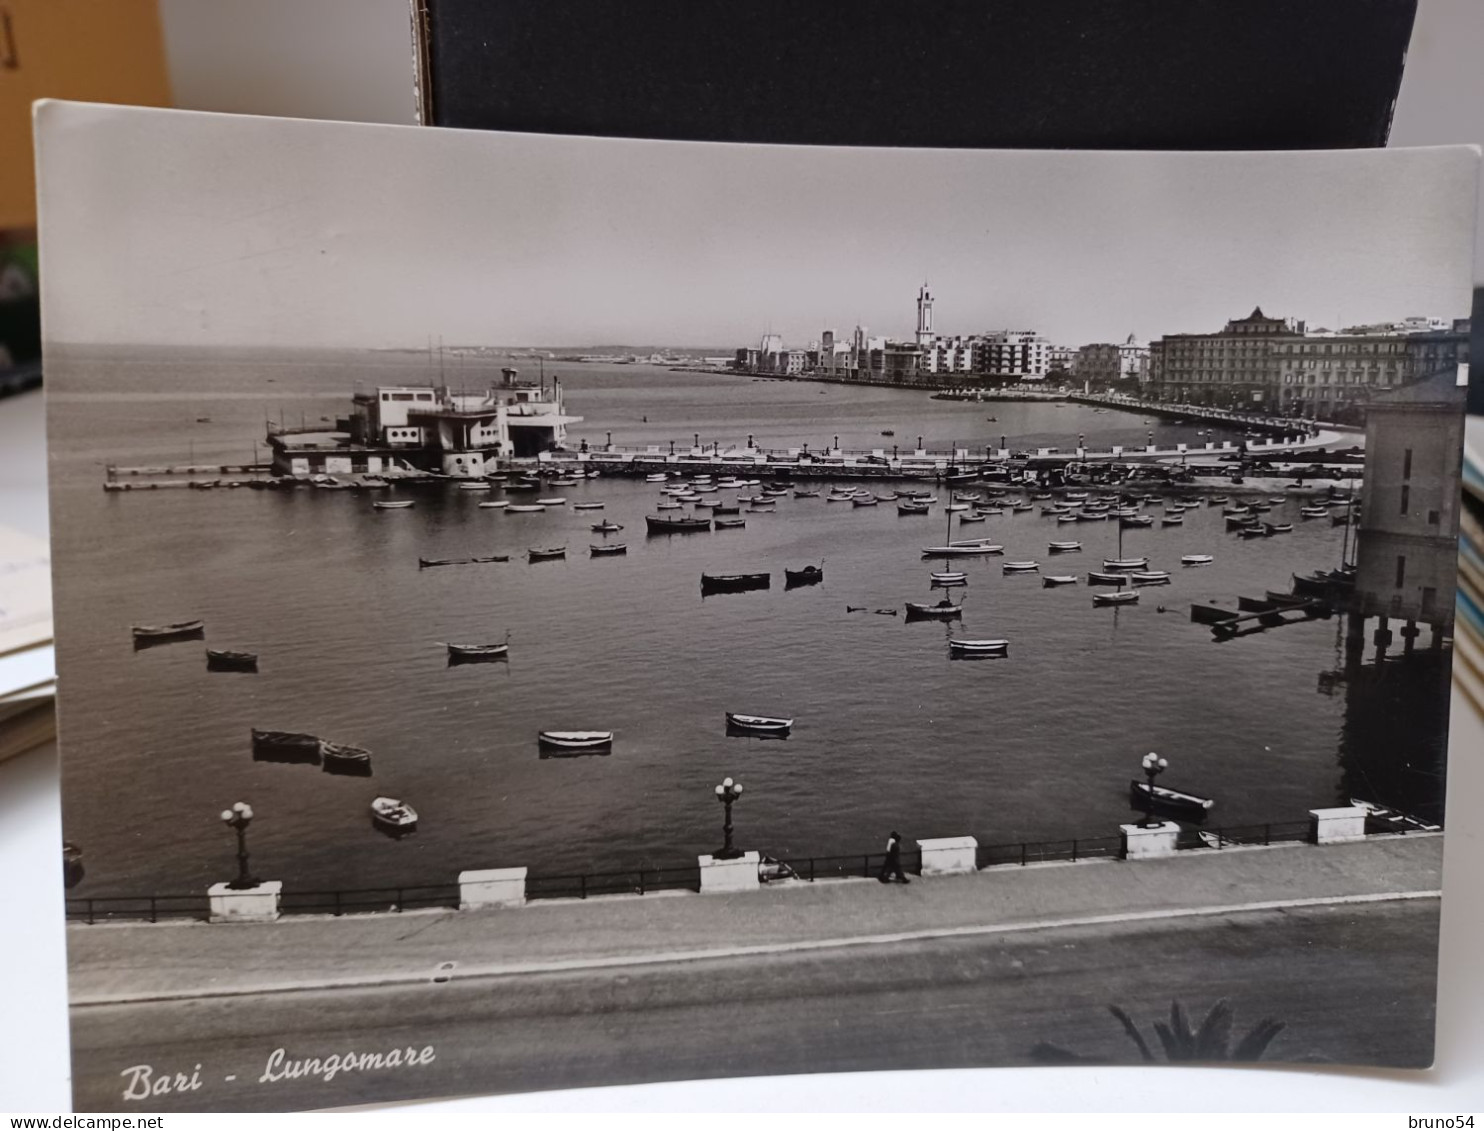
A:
(1468, 638)
(28, 674)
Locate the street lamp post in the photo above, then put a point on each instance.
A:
(239, 817)
(727, 792)
(1154, 765)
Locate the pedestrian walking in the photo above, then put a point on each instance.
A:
(891, 870)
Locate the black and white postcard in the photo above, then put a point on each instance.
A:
(542, 612)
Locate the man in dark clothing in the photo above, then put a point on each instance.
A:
(892, 868)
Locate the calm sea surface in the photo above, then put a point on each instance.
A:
(890, 733)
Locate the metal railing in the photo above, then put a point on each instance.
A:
(153, 908)
(1282, 832)
(1049, 851)
(352, 901)
(647, 880)
(640, 881)
(861, 864)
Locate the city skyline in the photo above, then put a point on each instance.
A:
(295, 234)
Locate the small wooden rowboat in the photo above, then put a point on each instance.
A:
(587, 506)
(949, 577)
(524, 508)
(1119, 598)
(494, 505)
(1171, 800)
(1172, 520)
(912, 508)
(758, 724)
(608, 551)
(392, 505)
(943, 610)
(734, 582)
(1064, 547)
(393, 816)
(809, 575)
(1137, 520)
(546, 554)
(971, 518)
(576, 741)
(864, 501)
(553, 501)
(1020, 567)
(1125, 563)
(478, 653)
(806, 494)
(1150, 577)
(285, 746)
(730, 523)
(428, 563)
(1278, 527)
(474, 486)
(1313, 512)
(340, 758)
(221, 660)
(1054, 580)
(146, 634)
(980, 647)
(1196, 559)
(606, 527)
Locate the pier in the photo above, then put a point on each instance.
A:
(1276, 425)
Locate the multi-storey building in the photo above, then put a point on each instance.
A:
(1061, 359)
(1106, 364)
(1230, 368)
(1019, 355)
(1278, 366)
(1407, 545)
(430, 428)
(948, 355)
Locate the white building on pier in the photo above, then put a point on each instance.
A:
(431, 428)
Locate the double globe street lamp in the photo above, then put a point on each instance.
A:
(727, 792)
(1154, 765)
(239, 817)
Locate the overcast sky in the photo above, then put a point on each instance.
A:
(199, 229)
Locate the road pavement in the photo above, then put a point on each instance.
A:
(1338, 941)
(1353, 983)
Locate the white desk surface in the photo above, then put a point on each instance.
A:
(33, 1024)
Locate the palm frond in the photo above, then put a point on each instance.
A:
(1168, 1040)
(1180, 1027)
(1255, 1043)
(1133, 1033)
(1214, 1036)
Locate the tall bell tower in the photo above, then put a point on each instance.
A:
(924, 316)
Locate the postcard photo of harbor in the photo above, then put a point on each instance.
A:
(541, 612)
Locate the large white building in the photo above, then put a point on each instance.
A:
(431, 428)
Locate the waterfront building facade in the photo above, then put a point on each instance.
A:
(1279, 366)
(1407, 542)
(1108, 364)
(1013, 355)
(430, 428)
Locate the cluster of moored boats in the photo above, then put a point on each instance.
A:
(217, 659)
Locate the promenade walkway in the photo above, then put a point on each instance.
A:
(136, 962)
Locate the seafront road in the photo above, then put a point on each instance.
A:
(1340, 942)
